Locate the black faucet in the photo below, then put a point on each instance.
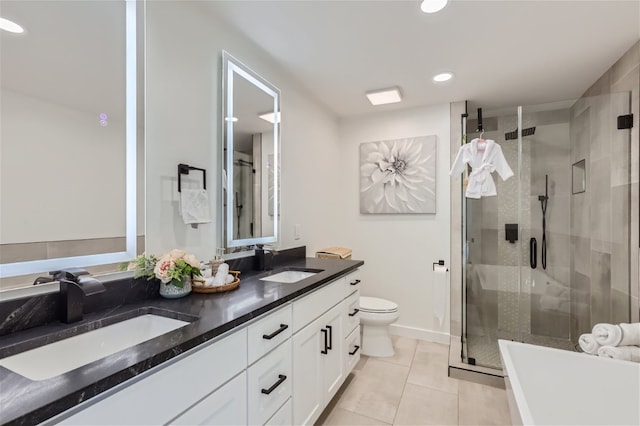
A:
(263, 258)
(73, 288)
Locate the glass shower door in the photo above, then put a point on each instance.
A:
(581, 162)
(492, 252)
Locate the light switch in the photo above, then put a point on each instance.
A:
(296, 231)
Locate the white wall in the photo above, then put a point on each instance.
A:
(182, 126)
(398, 249)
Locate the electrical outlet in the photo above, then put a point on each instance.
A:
(296, 231)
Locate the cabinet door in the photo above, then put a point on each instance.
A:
(308, 400)
(226, 406)
(332, 370)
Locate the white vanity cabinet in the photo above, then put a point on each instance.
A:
(282, 368)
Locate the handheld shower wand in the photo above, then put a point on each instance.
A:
(543, 203)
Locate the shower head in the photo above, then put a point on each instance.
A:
(525, 132)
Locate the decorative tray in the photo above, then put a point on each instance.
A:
(197, 285)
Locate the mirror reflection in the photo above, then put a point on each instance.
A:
(69, 135)
(251, 122)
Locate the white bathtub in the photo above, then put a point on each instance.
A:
(548, 386)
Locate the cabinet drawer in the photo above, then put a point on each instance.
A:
(352, 350)
(269, 332)
(283, 417)
(183, 383)
(351, 312)
(317, 303)
(269, 384)
(226, 406)
(352, 282)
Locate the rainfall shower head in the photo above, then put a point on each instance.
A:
(525, 132)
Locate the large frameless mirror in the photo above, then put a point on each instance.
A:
(251, 123)
(69, 135)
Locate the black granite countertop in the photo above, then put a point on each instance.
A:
(23, 401)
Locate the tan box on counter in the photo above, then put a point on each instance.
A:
(334, 253)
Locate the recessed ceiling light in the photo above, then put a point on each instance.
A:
(433, 6)
(442, 77)
(384, 96)
(10, 26)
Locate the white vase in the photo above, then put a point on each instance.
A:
(171, 291)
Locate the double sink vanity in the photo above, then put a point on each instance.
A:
(274, 351)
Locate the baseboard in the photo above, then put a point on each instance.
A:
(419, 333)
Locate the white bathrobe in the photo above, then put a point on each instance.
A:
(483, 163)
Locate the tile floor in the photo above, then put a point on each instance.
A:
(412, 388)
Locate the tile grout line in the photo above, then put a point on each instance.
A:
(404, 387)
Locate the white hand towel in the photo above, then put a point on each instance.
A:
(617, 334)
(194, 206)
(221, 275)
(589, 344)
(626, 353)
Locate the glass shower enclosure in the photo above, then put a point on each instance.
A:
(549, 255)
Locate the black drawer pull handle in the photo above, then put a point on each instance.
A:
(330, 337)
(324, 351)
(282, 328)
(355, 350)
(281, 378)
(355, 311)
(356, 282)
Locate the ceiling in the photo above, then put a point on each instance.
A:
(504, 53)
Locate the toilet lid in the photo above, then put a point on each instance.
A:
(374, 304)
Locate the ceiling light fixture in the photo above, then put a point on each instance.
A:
(10, 26)
(271, 117)
(384, 96)
(442, 77)
(433, 6)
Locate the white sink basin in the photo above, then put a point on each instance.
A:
(65, 355)
(289, 276)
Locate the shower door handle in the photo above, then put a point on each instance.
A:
(533, 253)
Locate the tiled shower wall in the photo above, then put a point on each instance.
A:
(604, 230)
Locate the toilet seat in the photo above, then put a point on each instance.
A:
(376, 305)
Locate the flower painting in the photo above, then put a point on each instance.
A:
(398, 176)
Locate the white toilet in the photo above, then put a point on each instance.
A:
(375, 316)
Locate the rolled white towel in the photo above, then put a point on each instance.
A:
(617, 335)
(589, 344)
(630, 334)
(607, 334)
(625, 353)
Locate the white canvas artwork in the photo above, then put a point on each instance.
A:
(398, 176)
